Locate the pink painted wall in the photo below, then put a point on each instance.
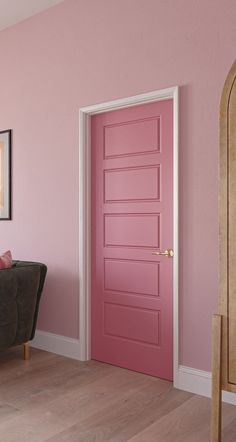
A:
(84, 52)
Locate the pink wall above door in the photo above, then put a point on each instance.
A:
(84, 52)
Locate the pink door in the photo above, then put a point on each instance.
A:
(132, 205)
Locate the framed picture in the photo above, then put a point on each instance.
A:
(5, 175)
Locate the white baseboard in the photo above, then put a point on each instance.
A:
(60, 345)
(199, 382)
(187, 379)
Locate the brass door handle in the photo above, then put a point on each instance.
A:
(169, 253)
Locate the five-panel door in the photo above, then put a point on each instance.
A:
(132, 219)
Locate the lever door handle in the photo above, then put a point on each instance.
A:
(169, 253)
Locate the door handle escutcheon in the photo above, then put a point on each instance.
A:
(169, 253)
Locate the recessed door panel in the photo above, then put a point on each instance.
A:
(132, 184)
(133, 277)
(124, 322)
(132, 137)
(132, 230)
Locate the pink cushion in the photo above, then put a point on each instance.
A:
(6, 260)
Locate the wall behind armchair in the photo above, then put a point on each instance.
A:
(82, 52)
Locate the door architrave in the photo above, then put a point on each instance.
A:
(85, 114)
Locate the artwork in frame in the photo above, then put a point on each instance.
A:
(5, 175)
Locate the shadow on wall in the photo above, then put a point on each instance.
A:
(61, 289)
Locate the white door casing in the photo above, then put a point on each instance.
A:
(85, 213)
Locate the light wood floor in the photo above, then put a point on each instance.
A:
(51, 398)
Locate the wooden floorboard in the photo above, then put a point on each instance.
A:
(52, 398)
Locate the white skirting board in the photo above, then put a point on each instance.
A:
(199, 382)
(187, 379)
(60, 345)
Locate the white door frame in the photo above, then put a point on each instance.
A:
(85, 214)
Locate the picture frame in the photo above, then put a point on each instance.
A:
(5, 174)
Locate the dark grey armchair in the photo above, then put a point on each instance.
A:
(21, 287)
